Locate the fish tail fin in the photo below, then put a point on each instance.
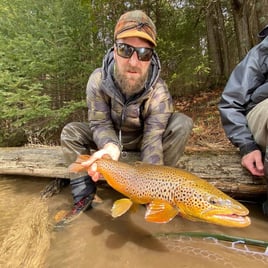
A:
(107, 157)
(82, 158)
(76, 166)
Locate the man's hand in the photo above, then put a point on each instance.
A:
(253, 162)
(109, 149)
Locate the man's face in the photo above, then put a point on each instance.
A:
(131, 73)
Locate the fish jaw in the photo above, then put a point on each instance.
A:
(233, 215)
(231, 220)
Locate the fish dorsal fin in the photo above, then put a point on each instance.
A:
(160, 211)
(121, 206)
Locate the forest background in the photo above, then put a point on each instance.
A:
(48, 49)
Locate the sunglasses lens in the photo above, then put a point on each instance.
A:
(144, 53)
(126, 51)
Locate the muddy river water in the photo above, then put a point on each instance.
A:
(97, 240)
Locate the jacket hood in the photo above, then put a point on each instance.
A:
(108, 70)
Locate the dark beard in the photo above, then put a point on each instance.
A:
(127, 89)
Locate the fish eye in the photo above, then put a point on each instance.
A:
(212, 200)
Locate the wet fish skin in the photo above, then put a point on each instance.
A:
(168, 191)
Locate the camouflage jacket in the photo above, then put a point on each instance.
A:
(114, 119)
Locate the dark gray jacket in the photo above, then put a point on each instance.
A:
(246, 87)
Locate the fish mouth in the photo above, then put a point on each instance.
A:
(232, 220)
(235, 216)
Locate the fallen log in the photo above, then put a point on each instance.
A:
(222, 169)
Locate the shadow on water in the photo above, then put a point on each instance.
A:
(123, 230)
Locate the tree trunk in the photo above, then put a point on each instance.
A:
(213, 41)
(261, 14)
(217, 42)
(224, 50)
(246, 21)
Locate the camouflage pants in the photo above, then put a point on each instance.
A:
(77, 138)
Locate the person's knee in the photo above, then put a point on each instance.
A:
(188, 121)
(69, 130)
(181, 122)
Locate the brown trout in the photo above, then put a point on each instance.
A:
(167, 191)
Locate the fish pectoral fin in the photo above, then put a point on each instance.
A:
(121, 206)
(160, 211)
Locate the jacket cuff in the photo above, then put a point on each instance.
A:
(248, 147)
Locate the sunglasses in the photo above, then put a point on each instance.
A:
(126, 51)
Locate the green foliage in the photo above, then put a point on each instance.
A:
(48, 49)
(182, 46)
(45, 63)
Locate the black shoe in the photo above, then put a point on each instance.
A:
(78, 208)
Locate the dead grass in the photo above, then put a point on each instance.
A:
(208, 133)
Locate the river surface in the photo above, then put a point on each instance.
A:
(97, 240)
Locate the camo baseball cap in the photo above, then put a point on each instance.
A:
(135, 24)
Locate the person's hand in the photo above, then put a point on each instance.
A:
(109, 149)
(253, 163)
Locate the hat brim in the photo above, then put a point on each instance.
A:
(136, 33)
